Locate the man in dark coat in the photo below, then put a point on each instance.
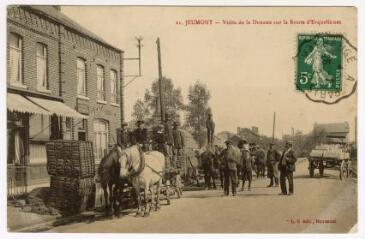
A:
(207, 158)
(230, 172)
(169, 137)
(140, 135)
(246, 164)
(260, 161)
(178, 142)
(123, 135)
(272, 161)
(287, 167)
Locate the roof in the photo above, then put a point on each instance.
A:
(56, 15)
(342, 127)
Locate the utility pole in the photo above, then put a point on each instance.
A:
(273, 129)
(162, 108)
(356, 131)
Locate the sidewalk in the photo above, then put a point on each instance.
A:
(18, 219)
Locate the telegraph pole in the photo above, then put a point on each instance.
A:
(273, 129)
(162, 108)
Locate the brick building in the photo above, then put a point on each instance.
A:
(63, 82)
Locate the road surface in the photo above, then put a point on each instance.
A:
(319, 205)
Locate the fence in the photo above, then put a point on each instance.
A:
(17, 180)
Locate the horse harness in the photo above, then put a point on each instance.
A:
(142, 165)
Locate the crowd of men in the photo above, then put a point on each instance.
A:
(233, 164)
(230, 164)
(166, 138)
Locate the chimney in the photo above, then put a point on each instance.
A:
(238, 130)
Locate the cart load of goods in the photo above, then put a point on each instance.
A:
(71, 165)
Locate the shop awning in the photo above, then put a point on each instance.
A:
(56, 107)
(16, 102)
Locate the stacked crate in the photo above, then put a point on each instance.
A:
(71, 165)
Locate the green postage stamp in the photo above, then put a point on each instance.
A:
(319, 62)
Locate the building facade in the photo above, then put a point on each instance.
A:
(63, 82)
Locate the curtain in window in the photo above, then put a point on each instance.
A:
(19, 148)
(100, 139)
(81, 77)
(100, 83)
(15, 55)
(42, 66)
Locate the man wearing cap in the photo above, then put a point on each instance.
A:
(210, 128)
(246, 164)
(123, 140)
(287, 167)
(169, 137)
(140, 135)
(260, 160)
(272, 161)
(230, 172)
(178, 141)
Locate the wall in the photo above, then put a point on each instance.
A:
(74, 45)
(33, 29)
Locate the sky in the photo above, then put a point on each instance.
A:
(248, 69)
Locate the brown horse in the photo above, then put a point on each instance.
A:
(108, 175)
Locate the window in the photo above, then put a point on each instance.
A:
(82, 130)
(16, 59)
(81, 77)
(101, 129)
(42, 77)
(114, 87)
(100, 83)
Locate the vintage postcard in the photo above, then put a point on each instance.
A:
(181, 119)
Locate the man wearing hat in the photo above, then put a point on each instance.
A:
(272, 161)
(178, 141)
(246, 164)
(123, 134)
(140, 135)
(230, 171)
(287, 167)
(210, 128)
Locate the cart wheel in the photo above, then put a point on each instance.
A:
(311, 171)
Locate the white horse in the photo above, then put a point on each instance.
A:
(145, 171)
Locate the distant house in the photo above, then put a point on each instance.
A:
(334, 130)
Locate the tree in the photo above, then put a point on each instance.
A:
(149, 108)
(140, 110)
(197, 111)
